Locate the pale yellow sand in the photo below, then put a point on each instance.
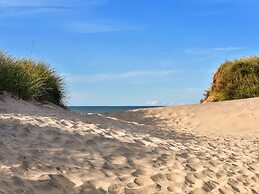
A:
(207, 148)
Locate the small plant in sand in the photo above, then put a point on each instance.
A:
(235, 80)
(30, 80)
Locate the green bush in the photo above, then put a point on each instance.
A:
(30, 80)
(235, 80)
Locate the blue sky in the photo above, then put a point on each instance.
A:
(131, 52)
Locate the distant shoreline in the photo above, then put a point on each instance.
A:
(106, 109)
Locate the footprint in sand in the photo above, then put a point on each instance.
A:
(133, 185)
(159, 178)
(117, 159)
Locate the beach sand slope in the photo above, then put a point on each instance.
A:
(208, 148)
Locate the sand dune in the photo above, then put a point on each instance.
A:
(239, 118)
(208, 148)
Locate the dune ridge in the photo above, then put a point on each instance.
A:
(209, 148)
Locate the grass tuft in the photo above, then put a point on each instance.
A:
(237, 79)
(31, 80)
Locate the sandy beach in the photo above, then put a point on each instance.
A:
(206, 148)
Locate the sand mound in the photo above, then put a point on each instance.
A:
(237, 118)
(45, 149)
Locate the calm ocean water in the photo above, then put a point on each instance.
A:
(103, 109)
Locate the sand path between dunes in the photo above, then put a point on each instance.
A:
(189, 149)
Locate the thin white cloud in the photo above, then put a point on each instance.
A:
(28, 4)
(98, 27)
(152, 103)
(15, 8)
(228, 49)
(212, 50)
(115, 76)
(17, 3)
(48, 3)
(12, 8)
(161, 102)
(79, 97)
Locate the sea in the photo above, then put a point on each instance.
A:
(105, 109)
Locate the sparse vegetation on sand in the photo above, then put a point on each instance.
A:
(30, 80)
(235, 80)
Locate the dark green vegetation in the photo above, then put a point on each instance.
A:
(30, 80)
(235, 80)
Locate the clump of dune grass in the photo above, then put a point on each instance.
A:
(30, 80)
(236, 79)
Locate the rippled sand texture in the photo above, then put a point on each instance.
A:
(49, 150)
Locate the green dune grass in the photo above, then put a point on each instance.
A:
(31, 80)
(237, 79)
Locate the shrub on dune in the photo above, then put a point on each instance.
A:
(31, 80)
(235, 80)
